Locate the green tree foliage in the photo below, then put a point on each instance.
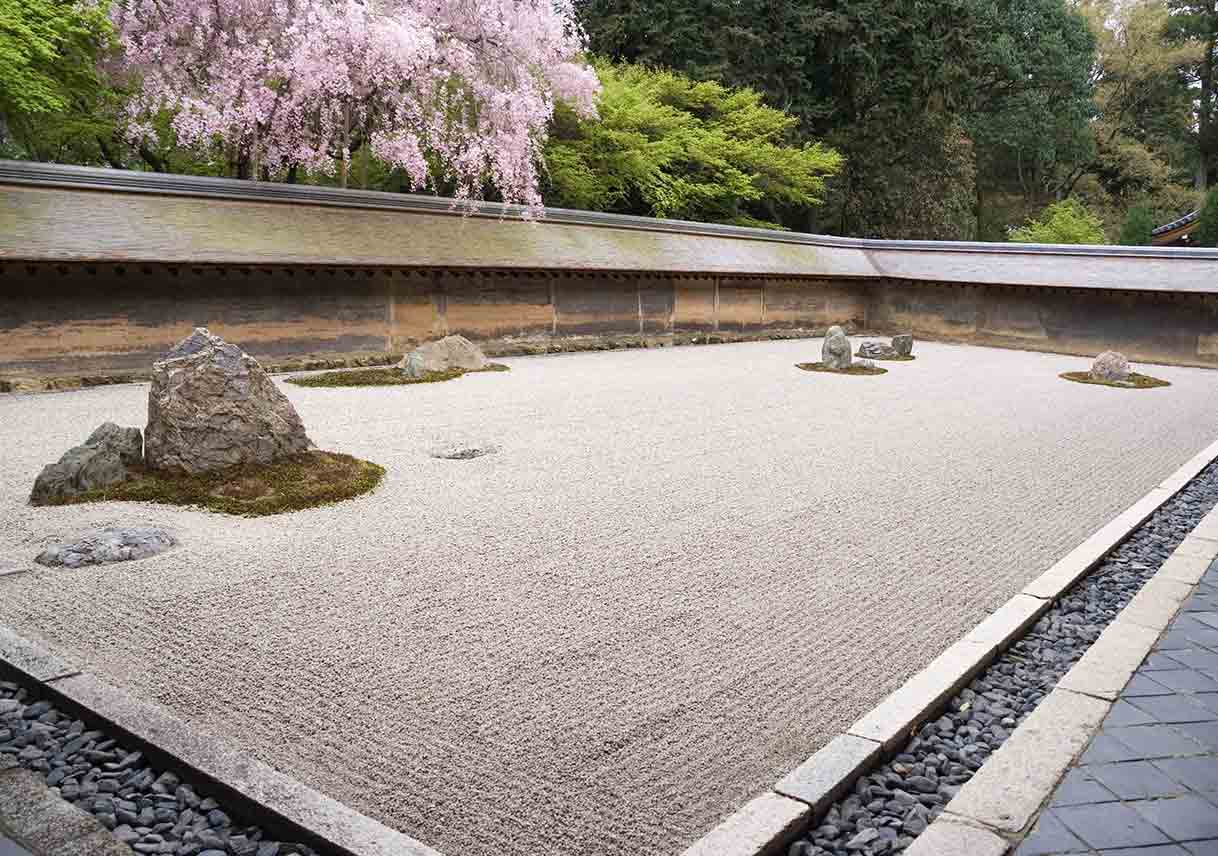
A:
(889, 83)
(47, 53)
(1139, 223)
(668, 146)
(1206, 233)
(1196, 21)
(1065, 222)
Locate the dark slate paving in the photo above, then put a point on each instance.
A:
(9, 848)
(1147, 784)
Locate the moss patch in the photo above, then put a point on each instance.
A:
(908, 358)
(253, 490)
(853, 370)
(388, 376)
(1136, 381)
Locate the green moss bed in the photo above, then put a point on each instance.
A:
(253, 490)
(908, 358)
(1136, 381)
(853, 370)
(384, 376)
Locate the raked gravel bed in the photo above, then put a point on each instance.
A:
(684, 571)
(155, 812)
(893, 804)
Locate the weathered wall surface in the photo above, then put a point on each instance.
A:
(107, 319)
(75, 320)
(102, 270)
(1145, 326)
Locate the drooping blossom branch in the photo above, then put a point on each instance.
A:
(446, 90)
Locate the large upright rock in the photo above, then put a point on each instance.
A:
(1110, 366)
(902, 343)
(835, 353)
(451, 352)
(213, 406)
(105, 459)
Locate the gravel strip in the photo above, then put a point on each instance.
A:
(892, 805)
(155, 812)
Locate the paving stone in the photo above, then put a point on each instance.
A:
(1183, 818)
(1123, 713)
(1110, 825)
(1050, 836)
(1157, 661)
(1198, 774)
(762, 826)
(1135, 780)
(1079, 787)
(1155, 741)
(1204, 733)
(1202, 848)
(826, 775)
(1197, 658)
(1185, 681)
(1156, 850)
(1144, 685)
(944, 838)
(1007, 791)
(1175, 709)
(1105, 749)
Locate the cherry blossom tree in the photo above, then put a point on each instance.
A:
(451, 91)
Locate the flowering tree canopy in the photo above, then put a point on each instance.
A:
(458, 91)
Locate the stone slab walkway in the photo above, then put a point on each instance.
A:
(1147, 784)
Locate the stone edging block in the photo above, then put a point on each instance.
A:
(945, 838)
(1075, 564)
(1184, 569)
(892, 721)
(761, 827)
(1007, 791)
(824, 777)
(44, 823)
(1111, 660)
(204, 756)
(31, 659)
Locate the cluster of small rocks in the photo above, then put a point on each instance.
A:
(154, 813)
(901, 346)
(892, 805)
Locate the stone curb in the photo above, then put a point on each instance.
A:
(765, 825)
(44, 823)
(274, 799)
(1003, 800)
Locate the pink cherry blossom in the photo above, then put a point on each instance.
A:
(454, 89)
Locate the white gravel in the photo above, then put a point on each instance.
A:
(682, 573)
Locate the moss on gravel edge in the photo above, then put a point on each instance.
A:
(897, 359)
(301, 481)
(387, 376)
(1140, 381)
(855, 370)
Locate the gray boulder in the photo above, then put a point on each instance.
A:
(109, 545)
(876, 350)
(105, 459)
(1110, 366)
(212, 406)
(835, 353)
(451, 352)
(903, 344)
